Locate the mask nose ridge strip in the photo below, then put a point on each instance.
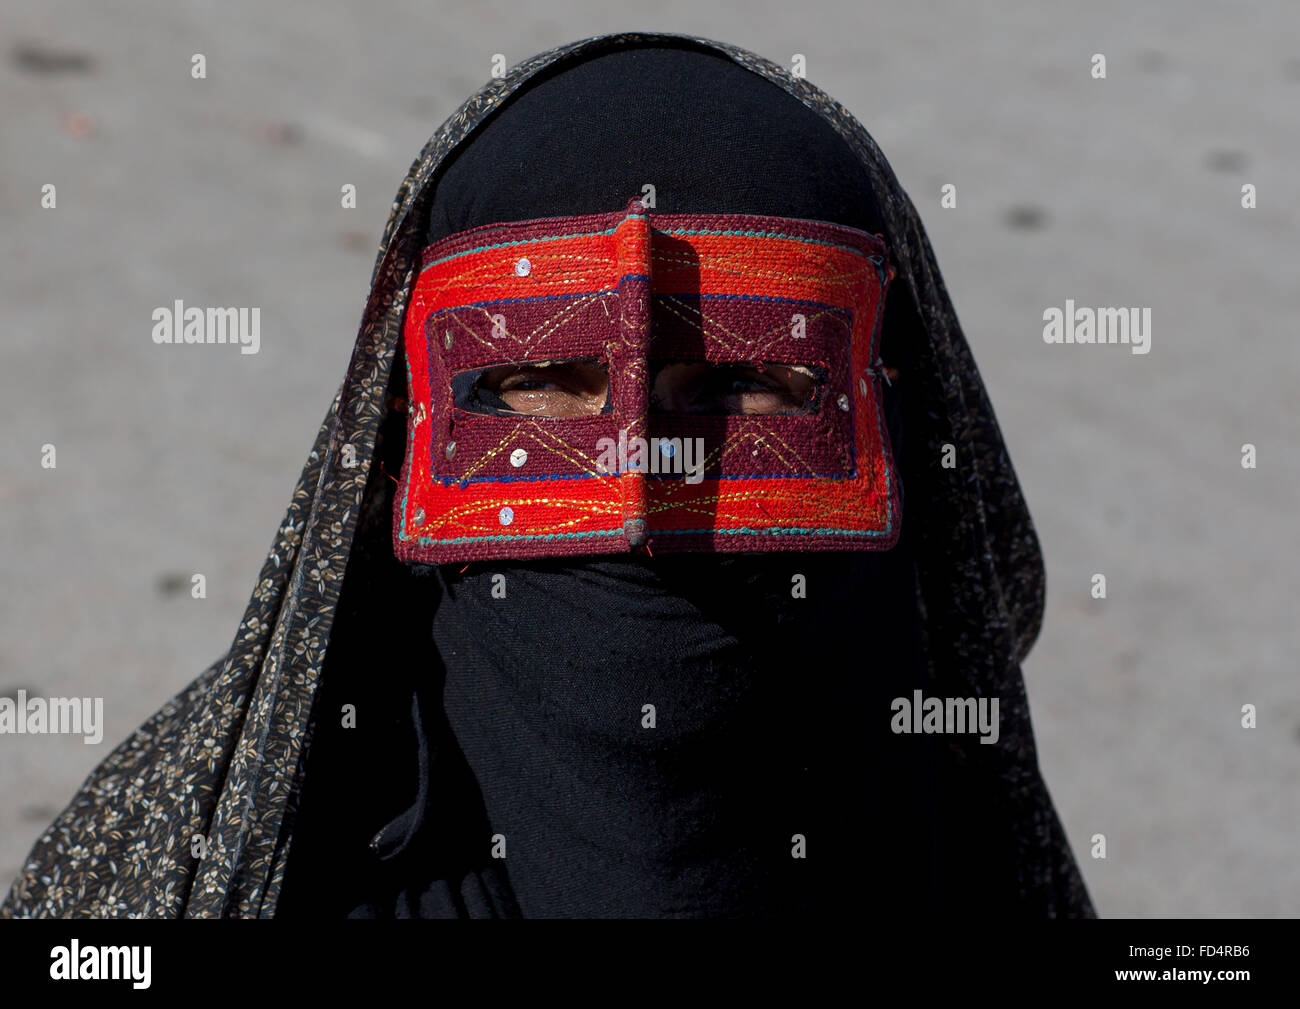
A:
(628, 368)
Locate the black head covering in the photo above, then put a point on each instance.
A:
(710, 136)
(258, 756)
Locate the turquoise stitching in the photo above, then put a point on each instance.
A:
(499, 538)
(502, 537)
(876, 337)
(658, 231)
(519, 241)
(539, 238)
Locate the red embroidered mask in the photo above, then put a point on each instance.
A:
(635, 300)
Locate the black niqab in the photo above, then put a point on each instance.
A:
(757, 708)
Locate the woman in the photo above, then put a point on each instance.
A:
(661, 475)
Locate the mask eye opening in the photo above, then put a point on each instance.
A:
(737, 388)
(550, 389)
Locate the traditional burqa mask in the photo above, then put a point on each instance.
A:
(592, 368)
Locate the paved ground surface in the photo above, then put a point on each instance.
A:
(1123, 192)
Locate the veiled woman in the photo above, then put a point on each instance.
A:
(661, 473)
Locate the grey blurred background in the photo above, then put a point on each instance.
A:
(1124, 191)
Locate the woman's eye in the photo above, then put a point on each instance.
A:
(700, 387)
(562, 389)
